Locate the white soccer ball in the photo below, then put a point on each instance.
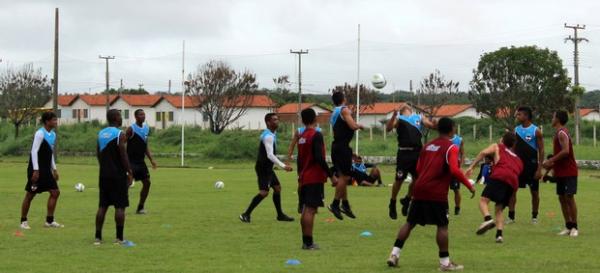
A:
(472, 182)
(219, 185)
(378, 81)
(79, 187)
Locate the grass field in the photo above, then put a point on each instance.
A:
(192, 227)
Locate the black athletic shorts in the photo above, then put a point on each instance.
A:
(498, 191)
(406, 162)
(454, 185)
(341, 157)
(140, 171)
(43, 184)
(566, 185)
(428, 213)
(527, 177)
(114, 192)
(360, 177)
(266, 180)
(312, 195)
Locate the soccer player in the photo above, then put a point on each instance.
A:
(115, 175)
(485, 170)
(437, 166)
(42, 175)
(290, 156)
(565, 172)
(359, 173)
(264, 170)
(312, 174)
(530, 148)
(341, 154)
(455, 185)
(502, 183)
(137, 150)
(409, 128)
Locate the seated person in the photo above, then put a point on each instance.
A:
(359, 173)
(485, 170)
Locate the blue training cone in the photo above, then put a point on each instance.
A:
(128, 244)
(366, 233)
(292, 262)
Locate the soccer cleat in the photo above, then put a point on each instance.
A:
(392, 260)
(534, 221)
(405, 204)
(141, 212)
(392, 208)
(120, 242)
(499, 239)
(565, 232)
(336, 212)
(574, 233)
(451, 267)
(310, 247)
(97, 242)
(25, 225)
(509, 221)
(456, 211)
(284, 218)
(485, 226)
(245, 218)
(53, 225)
(348, 212)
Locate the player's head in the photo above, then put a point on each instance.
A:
(445, 126)
(309, 116)
(560, 118)
(113, 116)
(488, 159)
(272, 121)
(338, 98)
(49, 119)
(509, 139)
(405, 110)
(140, 116)
(524, 114)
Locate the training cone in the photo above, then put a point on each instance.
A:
(292, 262)
(366, 233)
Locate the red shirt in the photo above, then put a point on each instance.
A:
(312, 167)
(566, 166)
(437, 165)
(508, 168)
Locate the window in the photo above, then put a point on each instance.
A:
(58, 112)
(85, 113)
(204, 117)
(126, 114)
(158, 116)
(171, 116)
(74, 113)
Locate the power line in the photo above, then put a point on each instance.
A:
(106, 58)
(299, 53)
(576, 40)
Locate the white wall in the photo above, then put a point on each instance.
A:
(470, 112)
(593, 116)
(122, 105)
(373, 120)
(253, 119)
(66, 115)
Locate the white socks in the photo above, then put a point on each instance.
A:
(445, 261)
(396, 251)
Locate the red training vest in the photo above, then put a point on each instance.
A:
(566, 166)
(434, 179)
(508, 168)
(310, 172)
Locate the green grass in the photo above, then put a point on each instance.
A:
(192, 227)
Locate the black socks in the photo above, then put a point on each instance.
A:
(49, 219)
(277, 202)
(335, 203)
(120, 233)
(498, 233)
(444, 254)
(255, 201)
(487, 218)
(571, 225)
(307, 240)
(23, 219)
(534, 214)
(345, 204)
(98, 234)
(399, 243)
(511, 215)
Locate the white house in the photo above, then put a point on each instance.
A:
(374, 115)
(289, 112)
(65, 105)
(590, 114)
(128, 104)
(254, 118)
(167, 112)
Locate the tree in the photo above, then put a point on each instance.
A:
(282, 94)
(520, 76)
(22, 94)
(436, 91)
(225, 94)
(128, 91)
(368, 96)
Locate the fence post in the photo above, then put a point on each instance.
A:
(293, 129)
(384, 133)
(474, 131)
(371, 133)
(542, 129)
(458, 130)
(491, 134)
(594, 134)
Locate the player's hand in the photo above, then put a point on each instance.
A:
(55, 174)
(334, 180)
(472, 192)
(129, 179)
(35, 176)
(154, 165)
(538, 174)
(288, 168)
(361, 127)
(468, 172)
(547, 165)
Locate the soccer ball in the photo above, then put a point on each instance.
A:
(219, 185)
(79, 187)
(378, 81)
(472, 182)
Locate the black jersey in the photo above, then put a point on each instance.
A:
(137, 143)
(263, 163)
(526, 146)
(408, 130)
(109, 156)
(342, 133)
(41, 157)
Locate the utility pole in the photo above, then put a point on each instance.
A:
(140, 86)
(169, 92)
(55, 77)
(299, 52)
(106, 58)
(121, 87)
(576, 40)
(357, 87)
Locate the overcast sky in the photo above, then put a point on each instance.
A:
(403, 40)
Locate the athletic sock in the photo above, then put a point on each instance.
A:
(569, 225)
(140, 207)
(511, 215)
(398, 245)
(444, 258)
(255, 201)
(335, 203)
(498, 233)
(307, 240)
(345, 204)
(120, 233)
(49, 219)
(487, 218)
(574, 225)
(277, 202)
(392, 202)
(456, 210)
(23, 219)
(98, 234)
(534, 214)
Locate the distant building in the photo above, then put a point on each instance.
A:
(289, 113)
(590, 114)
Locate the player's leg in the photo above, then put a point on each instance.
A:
(307, 222)
(143, 195)
(444, 255)
(263, 192)
(99, 223)
(52, 200)
(120, 223)
(401, 237)
(535, 200)
(345, 208)
(277, 201)
(398, 180)
(572, 213)
(25, 209)
(457, 200)
(511, 208)
(488, 222)
(499, 222)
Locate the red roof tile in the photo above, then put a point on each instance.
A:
(190, 101)
(586, 111)
(292, 108)
(98, 100)
(66, 100)
(141, 100)
(381, 108)
(450, 110)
